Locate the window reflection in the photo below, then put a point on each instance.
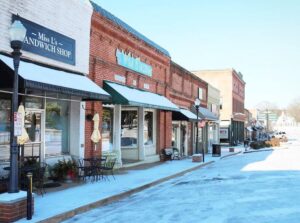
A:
(107, 129)
(57, 127)
(5, 108)
(129, 127)
(148, 128)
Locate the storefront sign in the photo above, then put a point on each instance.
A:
(201, 124)
(47, 43)
(17, 123)
(126, 60)
(224, 133)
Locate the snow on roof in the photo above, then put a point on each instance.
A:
(128, 28)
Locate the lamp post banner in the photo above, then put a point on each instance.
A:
(18, 123)
(47, 43)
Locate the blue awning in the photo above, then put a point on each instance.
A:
(47, 79)
(125, 95)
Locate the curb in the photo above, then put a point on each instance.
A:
(117, 197)
(233, 154)
(257, 151)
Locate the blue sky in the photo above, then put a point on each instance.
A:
(259, 38)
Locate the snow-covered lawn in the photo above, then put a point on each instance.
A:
(252, 187)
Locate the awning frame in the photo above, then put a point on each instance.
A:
(117, 98)
(31, 84)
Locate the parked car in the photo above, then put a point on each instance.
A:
(280, 135)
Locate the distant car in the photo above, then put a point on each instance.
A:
(280, 135)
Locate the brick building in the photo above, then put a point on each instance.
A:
(184, 88)
(163, 93)
(232, 89)
(52, 87)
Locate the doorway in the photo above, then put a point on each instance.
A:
(35, 127)
(179, 137)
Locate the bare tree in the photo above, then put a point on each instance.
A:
(294, 109)
(268, 106)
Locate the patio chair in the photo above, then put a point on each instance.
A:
(176, 154)
(109, 167)
(39, 177)
(98, 167)
(84, 169)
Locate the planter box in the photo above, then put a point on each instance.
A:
(197, 158)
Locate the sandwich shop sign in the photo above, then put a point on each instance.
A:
(47, 43)
(126, 60)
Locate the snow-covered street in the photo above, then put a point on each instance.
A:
(253, 187)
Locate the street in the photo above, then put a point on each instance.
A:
(252, 187)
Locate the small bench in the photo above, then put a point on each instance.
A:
(170, 154)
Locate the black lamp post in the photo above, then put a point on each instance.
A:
(197, 105)
(17, 34)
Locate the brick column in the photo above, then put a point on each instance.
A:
(14, 206)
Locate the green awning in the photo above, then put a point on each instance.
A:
(125, 95)
(184, 115)
(206, 114)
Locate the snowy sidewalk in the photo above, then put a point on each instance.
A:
(69, 202)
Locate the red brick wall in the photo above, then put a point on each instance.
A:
(106, 38)
(238, 94)
(10, 212)
(183, 92)
(184, 87)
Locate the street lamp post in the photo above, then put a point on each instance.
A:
(197, 105)
(17, 34)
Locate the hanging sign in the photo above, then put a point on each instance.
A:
(47, 43)
(126, 60)
(17, 123)
(201, 124)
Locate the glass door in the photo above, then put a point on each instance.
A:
(34, 125)
(176, 135)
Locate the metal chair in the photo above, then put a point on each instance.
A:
(39, 177)
(108, 167)
(84, 169)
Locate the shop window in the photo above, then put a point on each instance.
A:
(5, 108)
(57, 127)
(107, 129)
(199, 134)
(175, 135)
(129, 128)
(32, 102)
(148, 128)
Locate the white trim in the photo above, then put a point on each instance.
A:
(43, 129)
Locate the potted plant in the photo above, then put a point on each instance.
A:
(64, 170)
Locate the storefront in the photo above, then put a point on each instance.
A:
(185, 87)
(182, 122)
(209, 128)
(136, 122)
(53, 85)
(53, 108)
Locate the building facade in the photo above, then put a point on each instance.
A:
(53, 82)
(137, 122)
(184, 88)
(232, 90)
(213, 104)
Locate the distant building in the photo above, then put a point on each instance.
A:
(213, 104)
(285, 120)
(248, 124)
(232, 90)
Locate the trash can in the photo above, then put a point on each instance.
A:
(216, 150)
